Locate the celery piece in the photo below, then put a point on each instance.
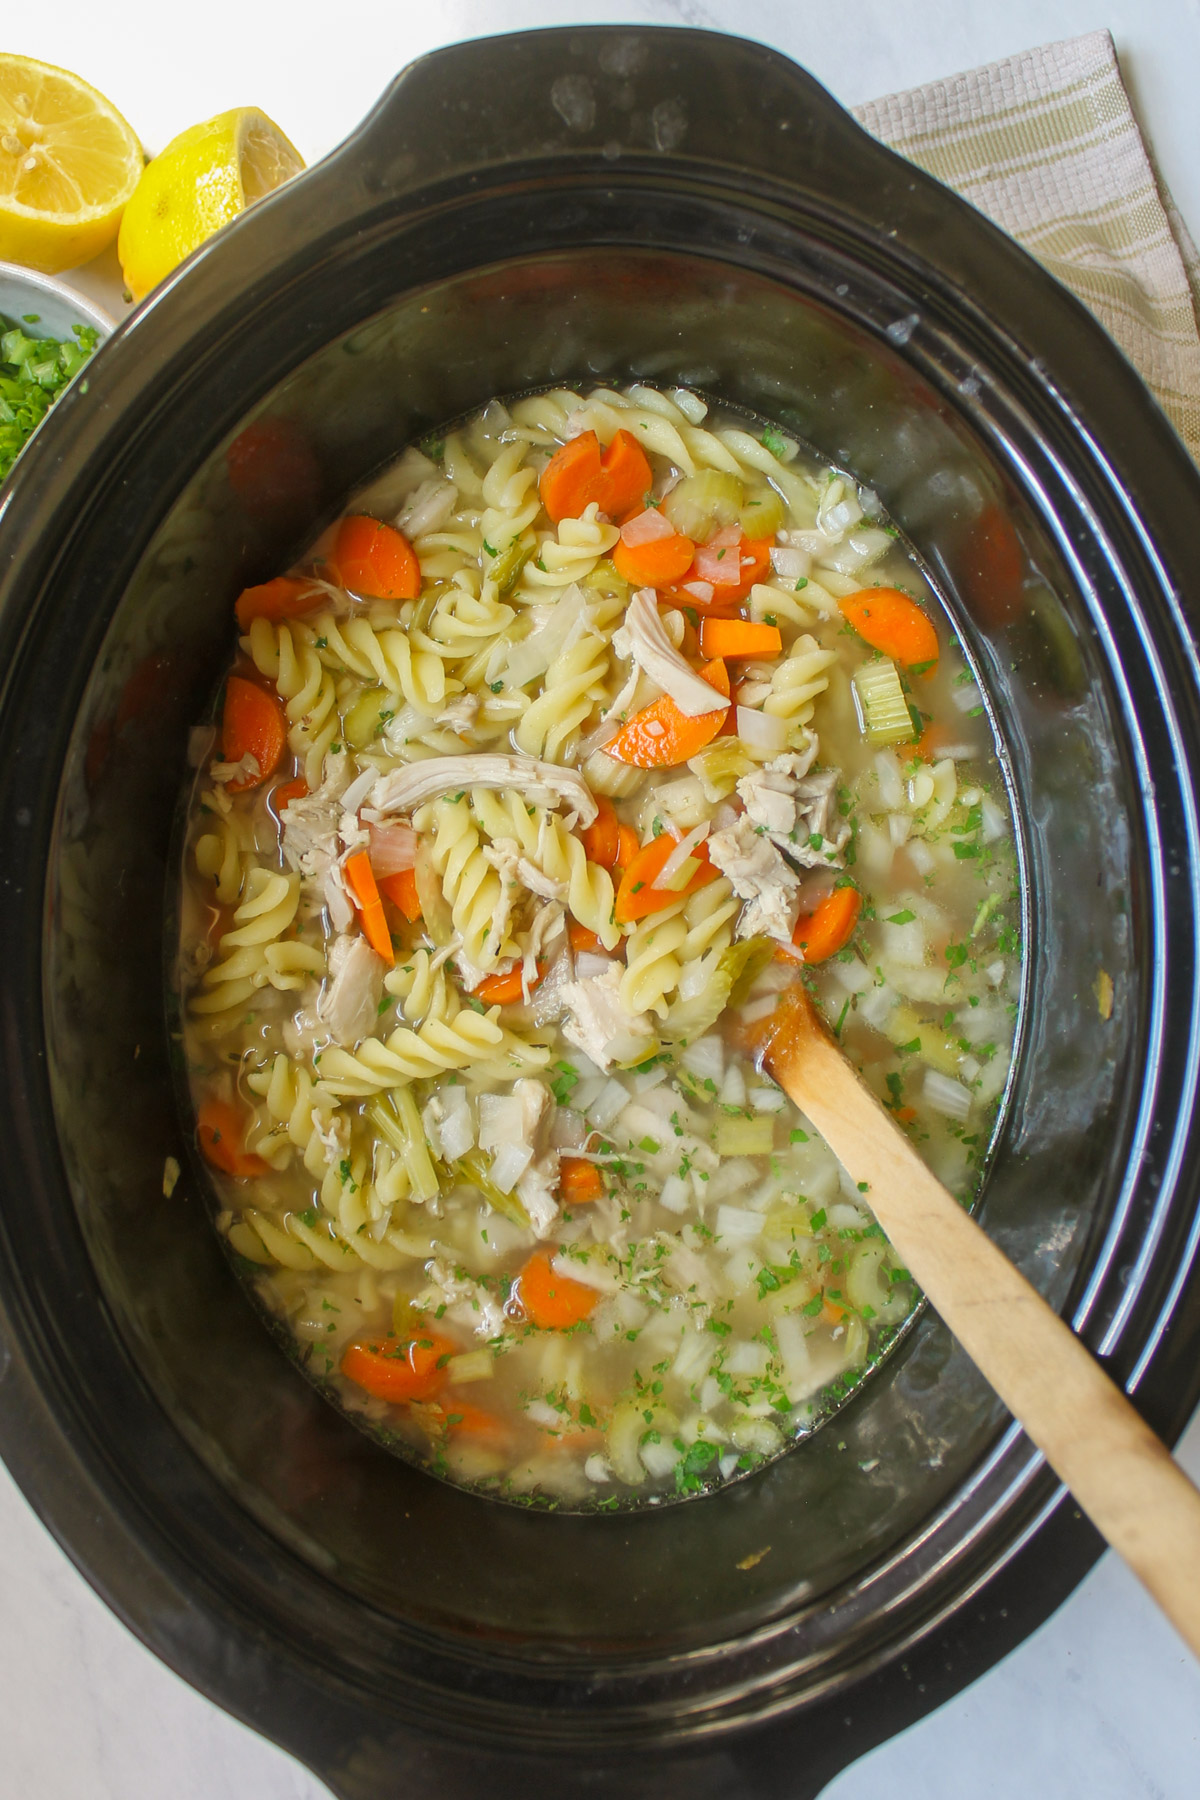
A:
(883, 714)
(506, 569)
(473, 1170)
(736, 970)
(720, 766)
(395, 1117)
(745, 1137)
(762, 513)
(935, 1047)
(701, 504)
(362, 720)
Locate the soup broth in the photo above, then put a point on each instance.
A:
(594, 724)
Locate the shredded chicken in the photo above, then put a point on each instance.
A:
(349, 1006)
(543, 784)
(797, 810)
(466, 1302)
(759, 875)
(516, 870)
(311, 842)
(460, 714)
(599, 1025)
(545, 927)
(643, 636)
(536, 1192)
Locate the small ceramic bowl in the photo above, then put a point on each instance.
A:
(24, 292)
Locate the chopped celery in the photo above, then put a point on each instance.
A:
(762, 513)
(745, 1137)
(701, 504)
(736, 970)
(394, 1115)
(473, 1170)
(508, 564)
(883, 714)
(362, 722)
(918, 1037)
(721, 766)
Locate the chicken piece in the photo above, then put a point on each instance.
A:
(545, 927)
(349, 1006)
(310, 841)
(516, 870)
(759, 875)
(599, 1025)
(464, 1301)
(541, 783)
(797, 810)
(643, 636)
(536, 1191)
(460, 714)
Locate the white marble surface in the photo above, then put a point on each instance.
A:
(1103, 1703)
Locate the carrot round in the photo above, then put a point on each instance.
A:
(637, 895)
(502, 990)
(401, 890)
(628, 476)
(252, 723)
(282, 796)
(740, 637)
(601, 839)
(551, 1300)
(571, 479)
(627, 846)
(579, 474)
(821, 933)
(221, 1129)
(581, 938)
(579, 1180)
(464, 1420)
(375, 560)
(891, 622)
(360, 879)
(392, 1369)
(656, 563)
(287, 597)
(661, 736)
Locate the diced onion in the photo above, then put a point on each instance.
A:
(646, 527)
(946, 1096)
(762, 731)
(672, 868)
(790, 564)
(393, 849)
(967, 697)
(699, 590)
(509, 1164)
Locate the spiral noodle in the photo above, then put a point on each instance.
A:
(568, 554)
(798, 680)
(297, 1117)
(384, 655)
(287, 655)
(218, 854)
(253, 956)
(479, 905)
(676, 939)
(466, 1040)
(545, 841)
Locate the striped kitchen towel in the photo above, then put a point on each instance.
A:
(1047, 145)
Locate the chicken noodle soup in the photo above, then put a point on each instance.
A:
(589, 729)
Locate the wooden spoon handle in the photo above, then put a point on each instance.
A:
(1120, 1473)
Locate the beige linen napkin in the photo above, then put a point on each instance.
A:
(1047, 145)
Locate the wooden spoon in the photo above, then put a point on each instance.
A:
(1121, 1475)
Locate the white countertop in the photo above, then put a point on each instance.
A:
(1103, 1703)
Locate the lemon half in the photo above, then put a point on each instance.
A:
(202, 180)
(68, 164)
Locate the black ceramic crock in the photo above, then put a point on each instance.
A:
(581, 206)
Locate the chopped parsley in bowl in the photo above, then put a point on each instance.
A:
(34, 370)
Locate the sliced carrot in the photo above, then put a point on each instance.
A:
(401, 890)
(628, 476)
(375, 560)
(891, 622)
(287, 597)
(360, 879)
(252, 723)
(464, 1420)
(502, 990)
(548, 1299)
(628, 846)
(579, 473)
(661, 736)
(396, 1370)
(579, 1180)
(740, 637)
(929, 745)
(601, 839)
(654, 564)
(582, 939)
(221, 1128)
(821, 933)
(731, 565)
(637, 895)
(282, 796)
(832, 1312)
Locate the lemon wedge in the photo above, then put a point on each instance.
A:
(68, 164)
(202, 180)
